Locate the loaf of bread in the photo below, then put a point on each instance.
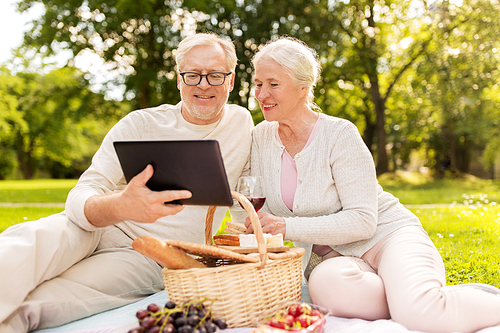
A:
(227, 239)
(165, 255)
(235, 228)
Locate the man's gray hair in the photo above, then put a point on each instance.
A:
(200, 39)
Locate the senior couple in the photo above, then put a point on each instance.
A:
(322, 194)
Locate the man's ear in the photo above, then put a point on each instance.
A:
(231, 84)
(179, 79)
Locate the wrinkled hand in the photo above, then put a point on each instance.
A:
(138, 203)
(270, 224)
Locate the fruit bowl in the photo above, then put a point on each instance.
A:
(298, 317)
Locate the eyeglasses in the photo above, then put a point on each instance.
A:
(213, 79)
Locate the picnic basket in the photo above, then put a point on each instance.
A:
(247, 288)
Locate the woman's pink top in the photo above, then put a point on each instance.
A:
(289, 181)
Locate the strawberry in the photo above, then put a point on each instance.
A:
(289, 320)
(316, 312)
(314, 319)
(305, 308)
(304, 320)
(295, 310)
(277, 323)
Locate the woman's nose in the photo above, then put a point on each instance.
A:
(262, 93)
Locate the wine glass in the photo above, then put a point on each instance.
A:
(252, 187)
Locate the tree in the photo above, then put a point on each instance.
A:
(134, 38)
(10, 117)
(354, 39)
(53, 119)
(388, 65)
(456, 76)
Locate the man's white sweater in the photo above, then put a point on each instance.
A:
(164, 122)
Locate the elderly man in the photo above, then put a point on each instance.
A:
(80, 262)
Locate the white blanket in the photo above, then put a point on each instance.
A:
(123, 319)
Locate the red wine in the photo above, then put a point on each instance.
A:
(257, 202)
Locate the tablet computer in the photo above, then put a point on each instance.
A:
(194, 165)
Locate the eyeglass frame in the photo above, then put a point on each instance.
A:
(204, 76)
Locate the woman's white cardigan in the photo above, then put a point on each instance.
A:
(338, 201)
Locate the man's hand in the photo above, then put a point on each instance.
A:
(270, 224)
(137, 203)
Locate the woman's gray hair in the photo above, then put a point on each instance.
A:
(200, 39)
(298, 59)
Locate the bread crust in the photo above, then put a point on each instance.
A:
(165, 255)
(235, 228)
(227, 239)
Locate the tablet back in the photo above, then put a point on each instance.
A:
(194, 165)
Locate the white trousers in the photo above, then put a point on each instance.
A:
(403, 277)
(53, 272)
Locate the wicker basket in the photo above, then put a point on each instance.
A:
(246, 293)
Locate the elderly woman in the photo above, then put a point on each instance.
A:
(323, 194)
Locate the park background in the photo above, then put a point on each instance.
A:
(420, 79)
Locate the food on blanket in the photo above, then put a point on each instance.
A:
(275, 240)
(249, 240)
(226, 239)
(235, 228)
(266, 329)
(165, 255)
(190, 317)
(298, 317)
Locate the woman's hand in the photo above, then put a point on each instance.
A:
(270, 224)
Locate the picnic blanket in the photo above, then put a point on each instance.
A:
(122, 319)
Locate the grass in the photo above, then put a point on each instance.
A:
(13, 215)
(465, 226)
(468, 238)
(38, 190)
(420, 189)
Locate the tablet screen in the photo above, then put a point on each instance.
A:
(194, 165)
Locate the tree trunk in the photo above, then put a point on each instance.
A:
(144, 96)
(23, 159)
(378, 101)
(369, 132)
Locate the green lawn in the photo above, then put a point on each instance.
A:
(468, 239)
(465, 226)
(38, 190)
(12, 215)
(418, 189)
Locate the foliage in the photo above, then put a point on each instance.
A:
(412, 75)
(41, 108)
(135, 38)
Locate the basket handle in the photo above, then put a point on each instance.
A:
(254, 219)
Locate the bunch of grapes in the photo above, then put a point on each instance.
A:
(190, 317)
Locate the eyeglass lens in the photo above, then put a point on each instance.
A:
(214, 79)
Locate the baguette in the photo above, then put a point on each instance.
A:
(165, 255)
(227, 239)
